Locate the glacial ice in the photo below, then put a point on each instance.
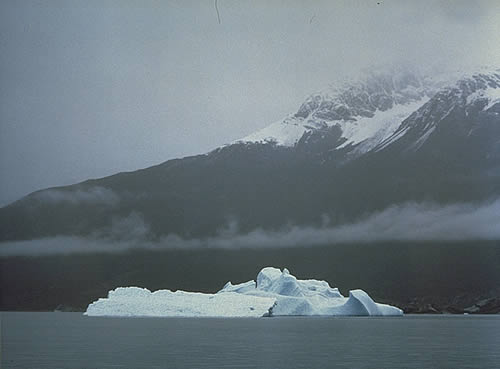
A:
(275, 293)
(135, 301)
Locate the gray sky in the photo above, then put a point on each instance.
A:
(91, 88)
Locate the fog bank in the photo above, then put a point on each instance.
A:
(406, 222)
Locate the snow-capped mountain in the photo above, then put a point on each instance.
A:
(478, 93)
(369, 113)
(366, 111)
(353, 149)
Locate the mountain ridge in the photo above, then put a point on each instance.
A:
(357, 104)
(446, 150)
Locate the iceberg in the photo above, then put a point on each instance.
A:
(274, 293)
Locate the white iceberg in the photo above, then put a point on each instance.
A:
(276, 293)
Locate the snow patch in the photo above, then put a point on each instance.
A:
(285, 132)
(371, 132)
(491, 95)
(421, 140)
(367, 131)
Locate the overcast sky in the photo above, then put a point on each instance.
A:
(91, 88)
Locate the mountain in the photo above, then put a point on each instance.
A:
(363, 112)
(357, 147)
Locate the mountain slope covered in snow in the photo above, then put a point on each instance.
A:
(351, 150)
(366, 111)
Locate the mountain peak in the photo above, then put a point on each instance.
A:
(470, 94)
(368, 111)
(367, 108)
(361, 97)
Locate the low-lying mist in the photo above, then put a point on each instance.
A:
(405, 222)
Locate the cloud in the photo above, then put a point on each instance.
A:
(406, 222)
(91, 196)
(131, 227)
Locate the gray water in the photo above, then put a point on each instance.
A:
(70, 341)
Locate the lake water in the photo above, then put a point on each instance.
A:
(73, 341)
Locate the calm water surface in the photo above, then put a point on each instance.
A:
(70, 340)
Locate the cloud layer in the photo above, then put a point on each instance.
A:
(92, 196)
(407, 222)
